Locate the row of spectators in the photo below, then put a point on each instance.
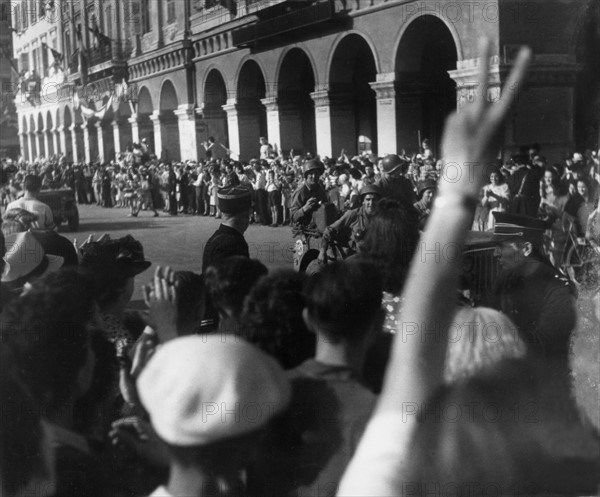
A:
(299, 388)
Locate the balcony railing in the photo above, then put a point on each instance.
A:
(115, 50)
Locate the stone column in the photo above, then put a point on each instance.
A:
(155, 118)
(77, 156)
(232, 124)
(30, 145)
(87, 152)
(62, 139)
(56, 141)
(23, 144)
(186, 121)
(273, 125)
(39, 141)
(47, 142)
(135, 130)
(385, 92)
(100, 138)
(323, 122)
(116, 136)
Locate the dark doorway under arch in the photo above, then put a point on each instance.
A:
(296, 82)
(425, 93)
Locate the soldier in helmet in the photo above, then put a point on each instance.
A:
(392, 182)
(309, 196)
(349, 230)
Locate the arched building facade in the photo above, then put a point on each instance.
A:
(324, 76)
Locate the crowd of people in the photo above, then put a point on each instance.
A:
(373, 376)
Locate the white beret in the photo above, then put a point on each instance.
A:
(202, 389)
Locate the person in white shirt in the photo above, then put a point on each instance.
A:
(32, 185)
(265, 149)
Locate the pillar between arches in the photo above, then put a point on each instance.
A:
(155, 118)
(385, 95)
(188, 141)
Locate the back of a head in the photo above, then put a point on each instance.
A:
(480, 338)
(230, 280)
(391, 240)
(46, 330)
(272, 318)
(344, 299)
(32, 183)
(202, 391)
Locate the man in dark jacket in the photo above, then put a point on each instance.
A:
(524, 186)
(530, 291)
(228, 240)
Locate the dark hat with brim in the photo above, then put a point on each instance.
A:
(123, 257)
(509, 228)
(235, 199)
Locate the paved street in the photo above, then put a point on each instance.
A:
(179, 241)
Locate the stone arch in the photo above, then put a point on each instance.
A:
(214, 97)
(296, 82)
(145, 108)
(451, 28)
(251, 90)
(353, 66)
(425, 93)
(169, 127)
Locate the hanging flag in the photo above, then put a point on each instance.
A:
(76, 101)
(11, 61)
(100, 114)
(101, 38)
(86, 112)
(58, 57)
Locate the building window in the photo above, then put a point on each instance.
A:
(24, 16)
(146, 26)
(17, 18)
(41, 9)
(170, 11)
(108, 22)
(209, 4)
(31, 11)
(44, 53)
(24, 62)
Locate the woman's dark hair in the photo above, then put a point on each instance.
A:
(555, 176)
(498, 172)
(272, 318)
(230, 280)
(191, 297)
(344, 298)
(390, 241)
(47, 332)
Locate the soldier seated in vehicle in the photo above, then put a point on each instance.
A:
(348, 231)
(309, 197)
